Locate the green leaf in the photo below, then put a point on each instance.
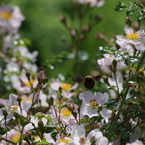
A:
(125, 135)
(43, 142)
(50, 129)
(119, 7)
(139, 16)
(130, 12)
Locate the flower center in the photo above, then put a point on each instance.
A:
(16, 138)
(133, 36)
(65, 112)
(13, 107)
(94, 104)
(65, 140)
(29, 83)
(57, 102)
(6, 15)
(26, 99)
(65, 86)
(83, 140)
(36, 138)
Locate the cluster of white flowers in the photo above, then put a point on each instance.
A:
(51, 112)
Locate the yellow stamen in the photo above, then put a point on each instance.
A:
(36, 138)
(6, 15)
(22, 99)
(65, 112)
(65, 140)
(29, 83)
(57, 102)
(29, 99)
(133, 36)
(83, 140)
(13, 107)
(94, 104)
(65, 86)
(16, 138)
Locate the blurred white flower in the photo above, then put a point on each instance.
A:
(137, 142)
(27, 84)
(92, 3)
(131, 40)
(24, 52)
(106, 63)
(10, 19)
(66, 88)
(91, 103)
(12, 106)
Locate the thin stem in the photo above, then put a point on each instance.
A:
(124, 98)
(140, 63)
(118, 113)
(21, 137)
(3, 138)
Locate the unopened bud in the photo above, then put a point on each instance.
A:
(41, 75)
(62, 19)
(99, 17)
(81, 37)
(73, 32)
(63, 38)
(85, 28)
(128, 21)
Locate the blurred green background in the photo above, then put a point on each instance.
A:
(43, 27)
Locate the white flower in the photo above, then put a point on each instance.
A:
(26, 84)
(34, 122)
(116, 81)
(106, 63)
(66, 88)
(91, 104)
(64, 115)
(64, 141)
(24, 52)
(10, 18)
(12, 106)
(79, 136)
(13, 135)
(93, 3)
(132, 39)
(137, 142)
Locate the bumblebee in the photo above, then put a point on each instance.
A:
(88, 81)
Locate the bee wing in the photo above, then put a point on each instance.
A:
(97, 78)
(77, 79)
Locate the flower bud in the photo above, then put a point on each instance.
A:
(62, 19)
(41, 75)
(128, 21)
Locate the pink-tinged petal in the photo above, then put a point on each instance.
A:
(128, 30)
(13, 98)
(55, 85)
(102, 141)
(106, 114)
(1, 114)
(101, 98)
(140, 32)
(87, 96)
(87, 110)
(95, 134)
(78, 131)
